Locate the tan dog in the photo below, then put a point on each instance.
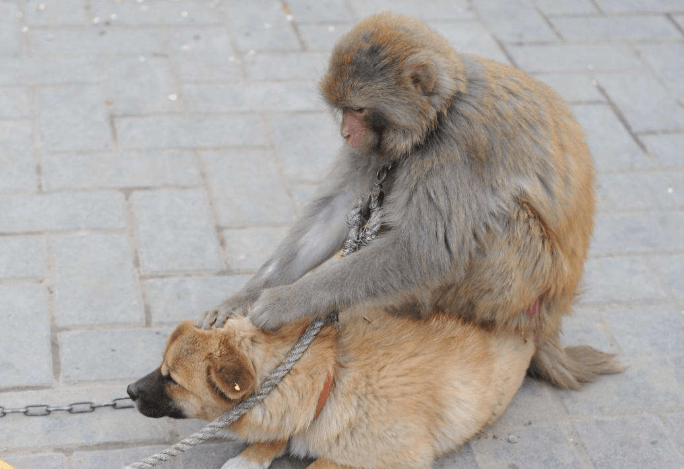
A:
(404, 391)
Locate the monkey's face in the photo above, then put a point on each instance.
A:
(358, 132)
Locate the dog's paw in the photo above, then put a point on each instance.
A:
(243, 463)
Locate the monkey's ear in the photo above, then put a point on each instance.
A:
(422, 72)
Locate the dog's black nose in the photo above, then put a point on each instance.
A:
(132, 391)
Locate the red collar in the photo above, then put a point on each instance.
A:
(323, 398)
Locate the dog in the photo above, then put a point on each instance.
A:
(375, 391)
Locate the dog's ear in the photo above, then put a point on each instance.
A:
(231, 376)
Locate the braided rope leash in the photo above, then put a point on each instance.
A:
(243, 407)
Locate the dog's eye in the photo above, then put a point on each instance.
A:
(169, 379)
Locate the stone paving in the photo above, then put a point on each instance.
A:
(153, 151)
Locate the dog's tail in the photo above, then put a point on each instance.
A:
(570, 367)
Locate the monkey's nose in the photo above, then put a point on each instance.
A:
(132, 391)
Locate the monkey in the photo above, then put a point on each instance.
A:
(488, 206)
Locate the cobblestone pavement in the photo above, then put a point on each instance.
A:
(152, 152)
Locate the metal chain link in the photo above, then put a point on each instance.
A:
(42, 410)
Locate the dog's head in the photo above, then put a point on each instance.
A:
(203, 374)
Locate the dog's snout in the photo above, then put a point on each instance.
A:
(132, 391)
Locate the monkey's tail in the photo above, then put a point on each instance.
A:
(570, 367)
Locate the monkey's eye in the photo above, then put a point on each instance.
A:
(358, 110)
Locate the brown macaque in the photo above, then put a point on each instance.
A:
(489, 201)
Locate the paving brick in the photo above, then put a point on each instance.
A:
(464, 458)
(641, 191)
(16, 157)
(22, 256)
(98, 40)
(11, 41)
(73, 118)
(113, 458)
(573, 87)
(575, 58)
(290, 66)
(445, 10)
(645, 103)
(261, 97)
(42, 461)
(612, 147)
(45, 13)
(499, 452)
(184, 12)
(14, 102)
(317, 11)
(584, 328)
(175, 231)
(126, 13)
(95, 281)
(679, 19)
(189, 131)
(620, 279)
(471, 38)
(638, 233)
(246, 188)
(119, 170)
(668, 62)
(25, 327)
(640, 6)
(248, 249)
(676, 421)
(61, 211)
(614, 443)
(64, 429)
(154, 83)
(318, 37)
(671, 270)
(115, 354)
(261, 26)
(304, 158)
(617, 28)
(211, 455)
(302, 194)
(667, 148)
(514, 21)
(203, 54)
(176, 299)
(532, 403)
(566, 7)
(647, 330)
(48, 70)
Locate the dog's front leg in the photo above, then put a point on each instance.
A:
(325, 464)
(257, 456)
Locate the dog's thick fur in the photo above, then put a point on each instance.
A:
(405, 390)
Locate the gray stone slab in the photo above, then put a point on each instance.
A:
(616, 28)
(470, 38)
(612, 147)
(287, 66)
(321, 37)
(210, 455)
(22, 257)
(115, 354)
(176, 299)
(64, 13)
(631, 441)
(620, 280)
(246, 188)
(95, 282)
(532, 404)
(155, 89)
(261, 26)
(61, 212)
(61, 429)
(667, 148)
(638, 233)
(248, 249)
(11, 40)
(584, 328)
(16, 157)
(679, 19)
(445, 10)
(514, 21)
(119, 170)
(175, 231)
(14, 102)
(25, 328)
(113, 458)
(671, 270)
(650, 191)
(26, 71)
(93, 40)
(73, 118)
(499, 452)
(646, 104)
(302, 157)
(573, 87)
(258, 97)
(573, 57)
(203, 54)
(668, 62)
(676, 421)
(464, 458)
(302, 194)
(640, 6)
(42, 461)
(566, 7)
(647, 330)
(318, 11)
(126, 13)
(189, 131)
(188, 12)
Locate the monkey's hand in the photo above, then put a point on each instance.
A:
(217, 317)
(276, 307)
